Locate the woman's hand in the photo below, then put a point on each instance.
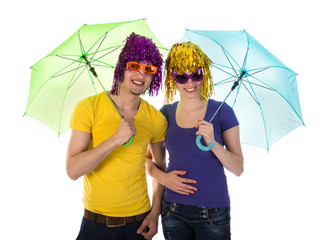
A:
(206, 129)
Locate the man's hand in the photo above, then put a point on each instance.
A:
(148, 228)
(125, 130)
(178, 184)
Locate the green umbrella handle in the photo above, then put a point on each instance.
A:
(128, 143)
(199, 144)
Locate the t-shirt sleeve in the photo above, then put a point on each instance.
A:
(160, 128)
(81, 117)
(163, 110)
(228, 118)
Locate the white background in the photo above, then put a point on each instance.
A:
(283, 194)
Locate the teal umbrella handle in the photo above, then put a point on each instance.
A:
(128, 143)
(199, 144)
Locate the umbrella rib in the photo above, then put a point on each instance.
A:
(229, 61)
(224, 71)
(251, 75)
(259, 85)
(32, 100)
(64, 98)
(81, 44)
(225, 81)
(260, 70)
(112, 50)
(202, 34)
(66, 93)
(298, 115)
(105, 64)
(249, 92)
(264, 124)
(103, 39)
(263, 119)
(67, 58)
(75, 69)
(245, 59)
(77, 76)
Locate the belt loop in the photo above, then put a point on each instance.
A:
(94, 217)
(207, 212)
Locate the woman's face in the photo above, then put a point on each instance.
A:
(191, 88)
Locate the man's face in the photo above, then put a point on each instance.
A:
(136, 82)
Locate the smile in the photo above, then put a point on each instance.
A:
(138, 82)
(190, 89)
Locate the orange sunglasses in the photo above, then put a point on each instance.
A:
(137, 66)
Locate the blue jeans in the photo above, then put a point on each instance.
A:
(199, 223)
(91, 230)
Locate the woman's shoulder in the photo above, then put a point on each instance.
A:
(169, 107)
(215, 104)
(169, 110)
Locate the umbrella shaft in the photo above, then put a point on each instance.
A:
(90, 67)
(235, 84)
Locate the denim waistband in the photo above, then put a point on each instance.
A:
(195, 212)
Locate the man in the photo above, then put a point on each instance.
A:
(115, 191)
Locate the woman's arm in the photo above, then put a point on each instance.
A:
(231, 156)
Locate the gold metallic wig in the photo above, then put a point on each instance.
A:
(187, 57)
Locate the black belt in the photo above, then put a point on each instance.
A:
(113, 221)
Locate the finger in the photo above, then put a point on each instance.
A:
(204, 131)
(206, 127)
(149, 231)
(185, 191)
(179, 172)
(187, 180)
(201, 132)
(198, 124)
(142, 227)
(188, 188)
(182, 192)
(201, 122)
(149, 234)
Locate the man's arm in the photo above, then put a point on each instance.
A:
(149, 226)
(81, 160)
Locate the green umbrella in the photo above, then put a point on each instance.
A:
(80, 67)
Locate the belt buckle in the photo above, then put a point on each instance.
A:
(114, 226)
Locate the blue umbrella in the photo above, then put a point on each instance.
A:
(260, 88)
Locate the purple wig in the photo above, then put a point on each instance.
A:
(138, 48)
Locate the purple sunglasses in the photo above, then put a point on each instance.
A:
(183, 78)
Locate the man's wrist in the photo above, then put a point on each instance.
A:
(156, 211)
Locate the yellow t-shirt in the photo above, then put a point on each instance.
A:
(117, 187)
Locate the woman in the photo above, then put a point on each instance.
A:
(197, 206)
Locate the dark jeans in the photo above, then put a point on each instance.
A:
(181, 222)
(99, 231)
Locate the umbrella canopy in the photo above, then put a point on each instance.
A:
(259, 87)
(80, 67)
